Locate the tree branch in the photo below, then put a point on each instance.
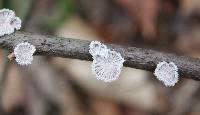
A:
(78, 49)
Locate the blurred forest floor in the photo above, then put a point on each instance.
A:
(58, 86)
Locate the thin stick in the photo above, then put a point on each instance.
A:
(138, 58)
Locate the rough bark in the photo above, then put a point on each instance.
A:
(138, 58)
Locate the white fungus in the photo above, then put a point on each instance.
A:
(24, 53)
(106, 65)
(8, 22)
(167, 73)
(97, 48)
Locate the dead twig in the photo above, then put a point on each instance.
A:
(139, 58)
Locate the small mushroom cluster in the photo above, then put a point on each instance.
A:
(107, 64)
